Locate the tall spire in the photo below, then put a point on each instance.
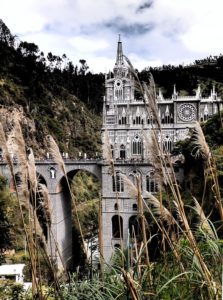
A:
(198, 91)
(119, 58)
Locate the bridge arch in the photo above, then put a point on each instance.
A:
(62, 179)
(62, 202)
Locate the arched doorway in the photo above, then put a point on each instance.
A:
(117, 227)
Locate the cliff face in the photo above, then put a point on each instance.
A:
(73, 126)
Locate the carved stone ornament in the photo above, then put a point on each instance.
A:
(187, 112)
(118, 84)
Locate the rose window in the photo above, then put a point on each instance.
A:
(187, 112)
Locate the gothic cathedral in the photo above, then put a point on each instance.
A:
(126, 121)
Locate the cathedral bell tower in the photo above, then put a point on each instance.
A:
(124, 118)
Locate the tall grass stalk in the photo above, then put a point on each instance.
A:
(201, 148)
(26, 197)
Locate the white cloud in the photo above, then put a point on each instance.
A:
(182, 30)
(84, 44)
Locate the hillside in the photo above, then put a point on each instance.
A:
(42, 92)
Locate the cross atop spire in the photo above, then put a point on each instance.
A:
(119, 57)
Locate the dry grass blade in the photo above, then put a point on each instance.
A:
(47, 205)
(200, 145)
(205, 226)
(5, 150)
(201, 148)
(32, 170)
(55, 152)
(38, 230)
(153, 155)
(160, 210)
(39, 236)
(130, 187)
(107, 151)
(150, 146)
(180, 217)
(137, 84)
(150, 99)
(131, 284)
(106, 148)
(16, 145)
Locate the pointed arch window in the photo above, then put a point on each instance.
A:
(163, 119)
(206, 114)
(137, 145)
(150, 120)
(206, 117)
(117, 183)
(202, 119)
(167, 119)
(138, 120)
(123, 120)
(122, 152)
(112, 151)
(151, 184)
(168, 144)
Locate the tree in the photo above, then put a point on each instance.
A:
(84, 67)
(5, 34)
(5, 211)
(29, 49)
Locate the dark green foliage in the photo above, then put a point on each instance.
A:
(6, 217)
(85, 188)
(206, 72)
(11, 290)
(213, 131)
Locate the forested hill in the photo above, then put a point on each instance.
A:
(52, 95)
(205, 72)
(56, 96)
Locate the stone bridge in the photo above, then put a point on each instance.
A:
(52, 176)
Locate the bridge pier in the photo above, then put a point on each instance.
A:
(60, 241)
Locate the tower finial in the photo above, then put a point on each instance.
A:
(174, 89)
(198, 91)
(119, 58)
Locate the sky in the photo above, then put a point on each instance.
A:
(153, 32)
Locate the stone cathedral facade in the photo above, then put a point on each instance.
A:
(126, 121)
